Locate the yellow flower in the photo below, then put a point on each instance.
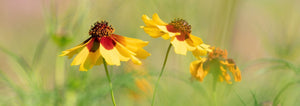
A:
(217, 64)
(104, 44)
(180, 33)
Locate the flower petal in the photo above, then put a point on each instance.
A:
(148, 21)
(80, 58)
(194, 67)
(124, 53)
(165, 30)
(157, 20)
(90, 61)
(153, 31)
(71, 52)
(135, 60)
(130, 43)
(111, 56)
(181, 47)
(141, 53)
(196, 40)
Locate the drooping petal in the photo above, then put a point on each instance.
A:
(135, 60)
(130, 43)
(180, 46)
(90, 61)
(127, 54)
(201, 72)
(196, 40)
(225, 75)
(124, 53)
(141, 53)
(197, 69)
(194, 67)
(109, 52)
(81, 56)
(71, 52)
(153, 31)
(237, 74)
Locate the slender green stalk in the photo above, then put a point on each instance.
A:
(161, 72)
(110, 84)
(215, 91)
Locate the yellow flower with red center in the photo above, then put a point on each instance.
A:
(180, 33)
(104, 44)
(217, 64)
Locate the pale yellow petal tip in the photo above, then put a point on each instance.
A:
(145, 17)
(142, 26)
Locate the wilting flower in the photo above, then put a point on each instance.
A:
(180, 33)
(217, 64)
(104, 44)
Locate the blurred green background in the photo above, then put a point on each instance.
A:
(262, 36)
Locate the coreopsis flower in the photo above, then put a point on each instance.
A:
(180, 33)
(217, 64)
(104, 44)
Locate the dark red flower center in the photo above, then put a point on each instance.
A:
(180, 25)
(100, 29)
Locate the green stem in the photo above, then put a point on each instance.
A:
(215, 91)
(161, 72)
(110, 84)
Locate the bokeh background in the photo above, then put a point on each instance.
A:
(262, 36)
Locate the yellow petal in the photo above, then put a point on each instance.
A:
(100, 60)
(181, 47)
(80, 58)
(148, 21)
(165, 30)
(196, 40)
(143, 54)
(135, 60)
(123, 52)
(157, 20)
(90, 60)
(225, 75)
(71, 52)
(111, 56)
(194, 67)
(199, 52)
(153, 31)
(131, 43)
(206, 47)
(165, 36)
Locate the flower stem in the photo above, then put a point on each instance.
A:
(110, 84)
(215, 91)
(161, 72)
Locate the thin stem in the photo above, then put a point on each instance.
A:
(215, 91)
(161, 72)
(110, 84)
